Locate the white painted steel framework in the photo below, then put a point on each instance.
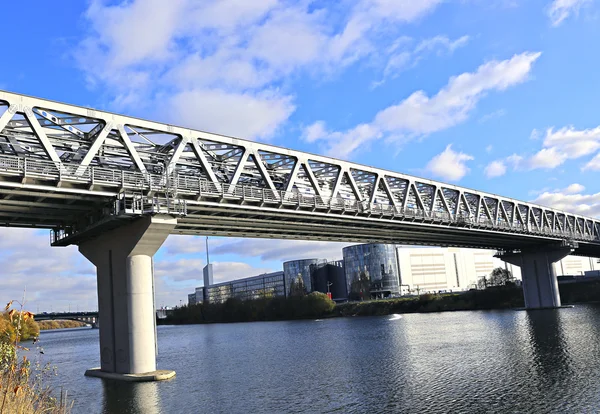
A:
(66, 167)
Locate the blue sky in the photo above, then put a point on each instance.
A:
(497, 95)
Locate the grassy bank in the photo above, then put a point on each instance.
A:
(60, 324)
(21, 382)
(493, 298)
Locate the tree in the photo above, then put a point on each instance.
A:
(500, 277)
(482, 283)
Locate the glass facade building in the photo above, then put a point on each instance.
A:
(371, 271)
(293, 268)
(256, 287)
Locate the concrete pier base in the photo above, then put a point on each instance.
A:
(540, 286)
(159, 375)
(123, 260)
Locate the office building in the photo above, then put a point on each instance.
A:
(371, 271)
(295, 268)
(256, 287)
(576, 266)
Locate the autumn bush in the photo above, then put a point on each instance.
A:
(22, 388)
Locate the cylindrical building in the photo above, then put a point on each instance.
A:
(371, 271)
(293, 268)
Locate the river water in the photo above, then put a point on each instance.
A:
(454, 362)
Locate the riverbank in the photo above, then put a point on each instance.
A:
(22, 389)
(318, 306)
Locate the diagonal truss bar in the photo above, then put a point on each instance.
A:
(93, 150)
(312, 178)
(239, 168)
(130, 149)
(6, 116)
(41, 135)
(293, 175)
(263, 171)
(203, 161)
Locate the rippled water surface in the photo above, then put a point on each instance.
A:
(455, 362)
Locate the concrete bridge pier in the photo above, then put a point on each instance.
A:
(540, 286)
(123, 260)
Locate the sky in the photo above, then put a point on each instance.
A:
(495, 95)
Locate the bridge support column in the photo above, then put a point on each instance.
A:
(123, 260)
(540, 286)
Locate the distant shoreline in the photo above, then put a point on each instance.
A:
(318, 306)
(60, 324)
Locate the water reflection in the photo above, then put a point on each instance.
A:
(454, 362)
(548, 344)
(134, 398)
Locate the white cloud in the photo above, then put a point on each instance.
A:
(492, 115)
(236, 114)
(495, 169)
(560, 145)
(186, 273)
(420, 115)
(441, 43)
(593, 164)
(226, 271)
(559, 10)
(53, 277)
(547, 158)
(281, 250)
(574, 189)
(449, 165)
(570, 200)
(223, 65)
(403, 57)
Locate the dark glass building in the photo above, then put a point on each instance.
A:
(371, 271)
(293, 268)
(330, 277)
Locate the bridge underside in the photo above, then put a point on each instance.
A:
(33, 205)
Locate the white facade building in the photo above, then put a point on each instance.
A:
(576, 266)
(424, 269)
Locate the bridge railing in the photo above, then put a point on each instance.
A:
(202, 188)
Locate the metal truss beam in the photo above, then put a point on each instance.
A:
(55, 150)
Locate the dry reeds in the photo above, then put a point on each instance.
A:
(22, 389)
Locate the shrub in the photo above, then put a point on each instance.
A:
(20, 391)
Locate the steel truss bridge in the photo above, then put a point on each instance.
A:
(72, 169)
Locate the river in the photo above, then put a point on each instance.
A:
(454, 362)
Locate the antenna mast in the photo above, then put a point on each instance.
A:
(207, 257)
